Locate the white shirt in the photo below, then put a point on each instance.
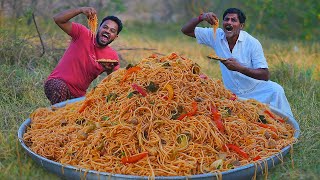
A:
(247, 51)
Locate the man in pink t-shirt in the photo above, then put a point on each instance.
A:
(79, 67)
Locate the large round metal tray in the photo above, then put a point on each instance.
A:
(71, 172)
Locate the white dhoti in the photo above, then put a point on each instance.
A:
(271, 93)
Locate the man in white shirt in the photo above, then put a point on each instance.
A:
(245, 72)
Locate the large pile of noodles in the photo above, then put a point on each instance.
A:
(165, 110)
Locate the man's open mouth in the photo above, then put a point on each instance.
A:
(105, 37)
(229, 28)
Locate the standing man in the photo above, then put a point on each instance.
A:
(245, 72)
(78, 66)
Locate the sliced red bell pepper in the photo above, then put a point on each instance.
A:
(181, 116)
(220, 126)
(273, 116)
(256, 158)
(217, 119)
(194, 109)
(134, 158)
(269, 113)
(142, 91)
(173, 56)
(267, 126)
(190, 113)
(281, 120)
(237, 150)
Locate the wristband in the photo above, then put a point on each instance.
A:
(199, 17)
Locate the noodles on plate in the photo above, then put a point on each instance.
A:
(93, 24)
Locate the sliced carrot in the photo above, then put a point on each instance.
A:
(129, 72)
(134, 158)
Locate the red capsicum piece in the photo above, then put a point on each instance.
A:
(217, 119)
(181, 116)
(273, 116)
(281, 120)
(256, 158)
(267, 126)
(142, 91)
(194, 109)
(237, 150)
(134, 158)
(173, 56)
(190, 113)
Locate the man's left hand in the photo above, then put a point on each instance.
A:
(261, 73)
(109, 66)
(232, 64)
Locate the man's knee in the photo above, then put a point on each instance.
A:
(277, 88)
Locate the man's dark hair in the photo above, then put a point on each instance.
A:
(115, 19)
(241, 15)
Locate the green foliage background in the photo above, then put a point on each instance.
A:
(281, 19)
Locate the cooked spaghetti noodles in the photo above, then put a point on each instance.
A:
(93, 23)
(162, 117)
(215, 27)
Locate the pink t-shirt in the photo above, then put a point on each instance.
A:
(78, 68)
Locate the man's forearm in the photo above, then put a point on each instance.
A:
(260, 74)
(188, 29)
